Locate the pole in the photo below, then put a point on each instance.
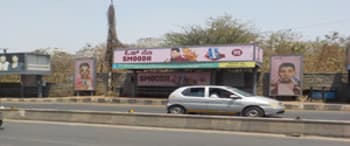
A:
(349, 78)
(255, 79)
(22, 87)
(39, 85)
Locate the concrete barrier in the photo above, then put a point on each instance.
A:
(264, 125)
(146, 101)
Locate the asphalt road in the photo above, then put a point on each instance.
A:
(323, 115)
(31, 133)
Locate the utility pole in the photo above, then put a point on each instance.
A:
(112, 43)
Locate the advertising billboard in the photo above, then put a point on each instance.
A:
(85, 74)
(38, 63)
(228, 56)
(173, 79)
(25, 63)
(187, 54)
(12, 63)
(286, 75)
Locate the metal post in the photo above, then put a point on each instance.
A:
(109, 84)
(22, 87)
(310, 94)
(323, 94)
(134, 83)
(255, 80)
(349, 78)
(39, 85)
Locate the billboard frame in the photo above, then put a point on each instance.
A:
(93, 75)
(255, 49)
(25, 64)
(301, 74)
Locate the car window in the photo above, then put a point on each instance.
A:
(241, 92)
(194, 92)
(220, 93)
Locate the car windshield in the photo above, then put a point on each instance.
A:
(243, 93)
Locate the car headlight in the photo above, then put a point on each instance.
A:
(276, 104)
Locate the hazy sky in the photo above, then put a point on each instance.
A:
(26, 25)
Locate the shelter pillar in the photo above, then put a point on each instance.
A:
(255, 79)
(39, 80)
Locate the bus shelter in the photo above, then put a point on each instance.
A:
(158, 71)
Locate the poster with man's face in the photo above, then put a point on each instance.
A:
(286, 76)
(12, 63)
(85, 74)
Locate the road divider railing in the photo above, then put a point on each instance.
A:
(225, 123)
(109, 100)
(147, 101)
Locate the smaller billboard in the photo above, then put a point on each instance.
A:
(286, 76)
(173, 79)
(12, 63)
(85, 74)
(39, 63)
(25, 63)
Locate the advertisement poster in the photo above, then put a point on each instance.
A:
(286, 76)
(12, 63)
(85, 74)
(173, 79)
(187, 54)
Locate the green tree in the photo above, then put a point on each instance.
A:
(283, 42)
(96, 52)
(62, 64)
(220, 30)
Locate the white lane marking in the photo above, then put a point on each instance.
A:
(183, 130)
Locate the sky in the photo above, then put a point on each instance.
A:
(26, 25)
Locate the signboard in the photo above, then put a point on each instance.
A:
(188, 54)
(12, 63)
(185, 65)
(85, 74)
(173, 79)
(188, 57)
(24, 63)
(38, 63)
(286, 75)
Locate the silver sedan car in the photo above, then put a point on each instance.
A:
(221, 100)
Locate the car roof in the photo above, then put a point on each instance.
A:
(202, 86)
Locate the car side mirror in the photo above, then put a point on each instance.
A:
(235, 97)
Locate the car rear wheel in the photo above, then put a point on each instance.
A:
(253, 112)
(176, 109)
